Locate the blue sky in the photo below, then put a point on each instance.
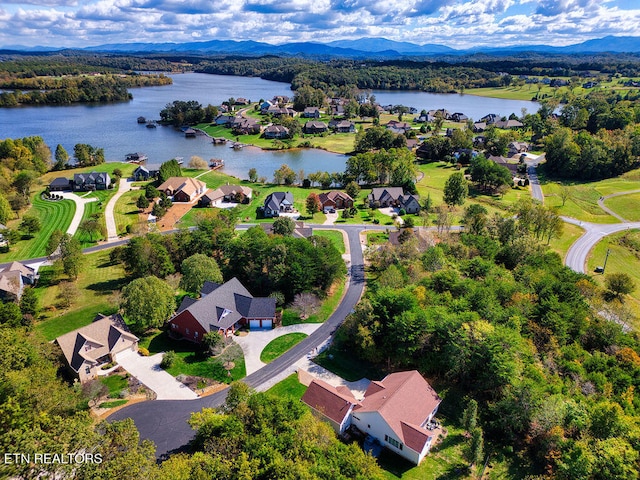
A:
(456, 23)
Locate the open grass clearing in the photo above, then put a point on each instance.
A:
(347, 366)
(289, 388)
(582, 203)
(627, 206)
(279, 345)
(622, 259)
(335, 236)
(97, 281)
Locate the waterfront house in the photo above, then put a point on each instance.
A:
(311, 112)
(276, 203)
(335, 199)
(509, 124)
(146, 172)
(183, 189)
(222, 308)
(342, 126)
(276, 131)
(85, 182)
(225, 194)
(314, 127)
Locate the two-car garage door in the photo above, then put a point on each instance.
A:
(262, 323)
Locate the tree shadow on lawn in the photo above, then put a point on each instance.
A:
(107, 287)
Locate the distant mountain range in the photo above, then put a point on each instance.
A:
(361, 48)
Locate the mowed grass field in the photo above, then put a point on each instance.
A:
(53, 215)
(627, 206)
(582, 203)
(97, 281)
(622, 259)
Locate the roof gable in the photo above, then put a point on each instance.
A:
(326, 399)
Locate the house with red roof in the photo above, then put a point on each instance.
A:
(398, 411)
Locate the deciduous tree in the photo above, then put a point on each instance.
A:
(198, 269)
(147, 302)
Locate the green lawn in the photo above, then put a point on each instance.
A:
(346, 365)
(125, 212)
(328, 306)
(113, 403)
(435, 177)
(622, 259)
(56, 326)
(335, 236)
(570, 234)
(94, 208)
(278, 346)
(445, 461)
(290, 387)
(115, 384)
(194, 360)
(97, 281)
(582, 203)
(626, 206)
(53, 215)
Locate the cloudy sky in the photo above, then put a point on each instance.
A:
(456, 23)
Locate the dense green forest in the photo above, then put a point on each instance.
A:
(65, 80)
(491, 316)
(441, 76)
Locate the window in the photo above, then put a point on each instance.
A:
(186, 331)
(195, 334)
(87, 370)
(393, 442)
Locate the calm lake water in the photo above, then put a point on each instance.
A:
(114, 128)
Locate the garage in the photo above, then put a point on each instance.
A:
(265, 323)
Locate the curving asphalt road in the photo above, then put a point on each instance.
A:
(165, 421)
(577, 254)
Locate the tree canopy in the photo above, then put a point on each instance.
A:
(148, 302)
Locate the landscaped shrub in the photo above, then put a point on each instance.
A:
(168, 359)
(402, 212)
(143, 351)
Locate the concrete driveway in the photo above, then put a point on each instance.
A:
(253, 343)
(148, 371)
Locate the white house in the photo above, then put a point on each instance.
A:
(398, 411)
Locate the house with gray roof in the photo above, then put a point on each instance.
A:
(276, 203)
(222, 308)
(394, 197)
(85, 182)
(88, 348)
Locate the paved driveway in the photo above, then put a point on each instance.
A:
(253, 343)
(148, 371)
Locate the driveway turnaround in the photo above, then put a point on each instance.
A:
(253, 343)
(77, 216)
(148, 371)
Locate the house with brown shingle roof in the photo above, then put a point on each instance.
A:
(88, 348)
(183, 189)
(397, 410)
(225, 194)
(335, 199)
(13, 278)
